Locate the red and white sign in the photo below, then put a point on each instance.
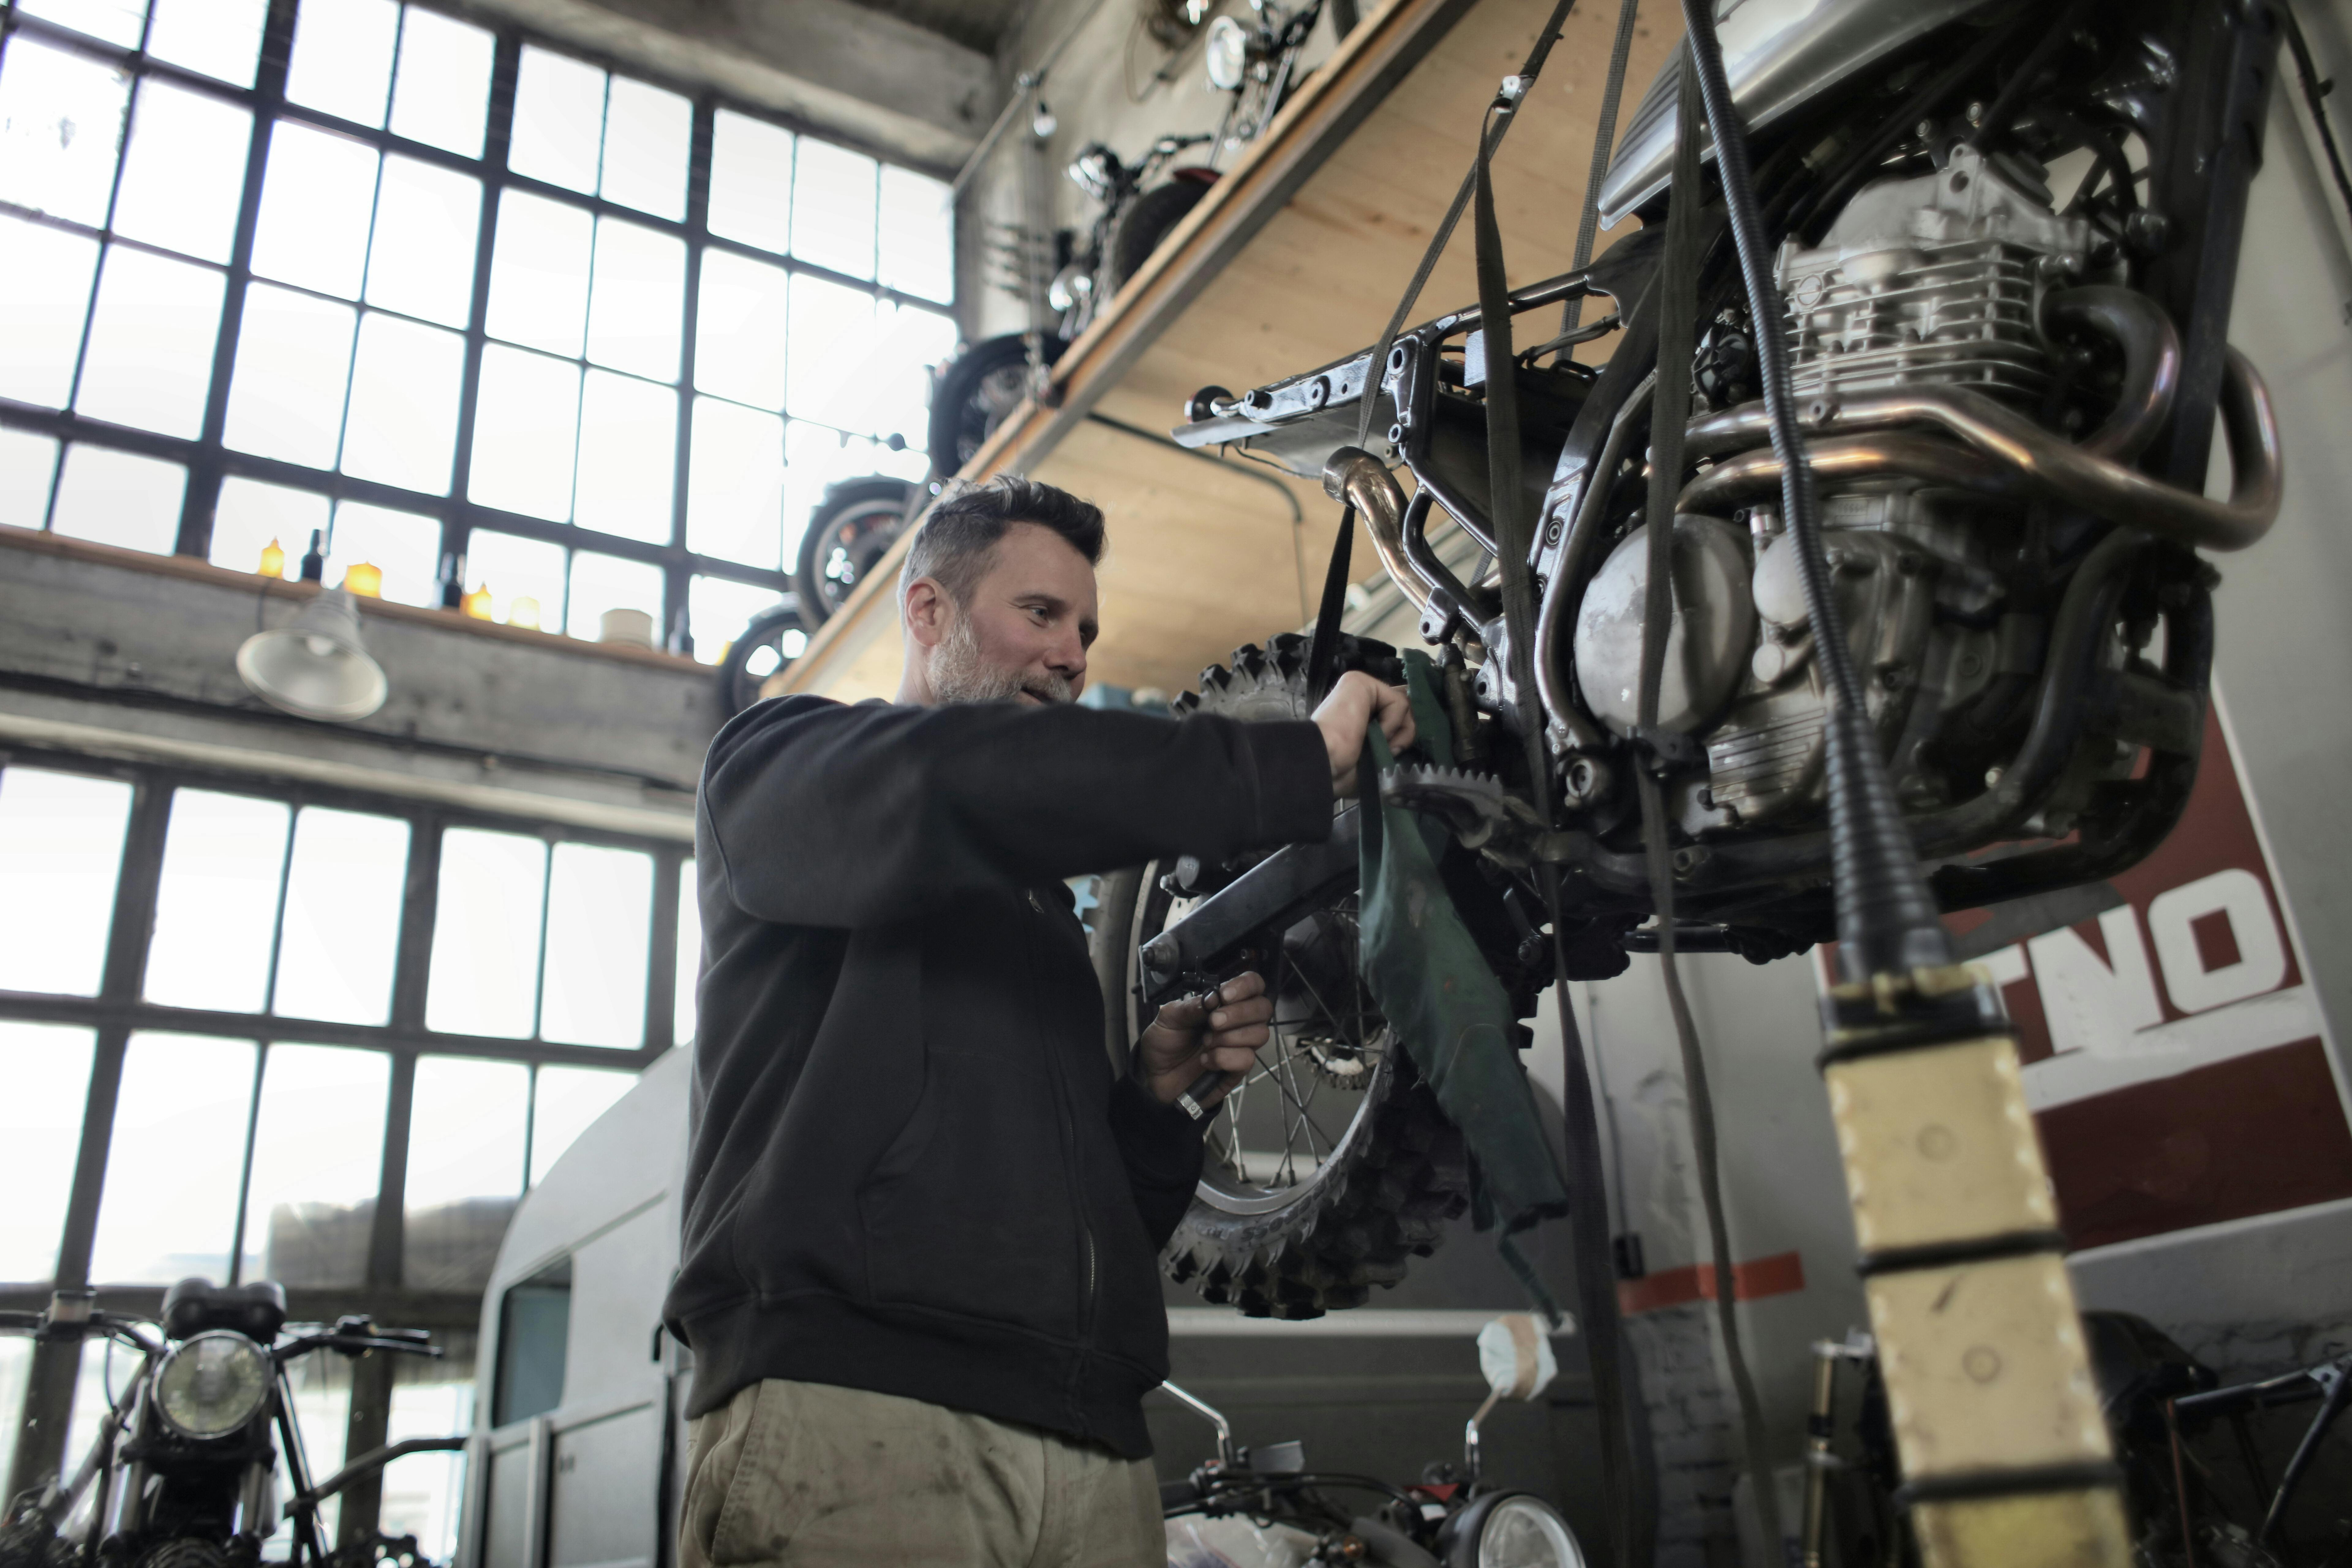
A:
(2174, 1052)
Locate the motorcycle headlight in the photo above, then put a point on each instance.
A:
(1518, 1531)
(212, 1384)
(1228, 53)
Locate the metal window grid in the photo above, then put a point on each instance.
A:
(208, 461)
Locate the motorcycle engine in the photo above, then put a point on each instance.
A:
(1937, 279)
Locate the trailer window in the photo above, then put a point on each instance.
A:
(534, 1327)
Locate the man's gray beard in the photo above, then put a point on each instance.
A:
(960, 673)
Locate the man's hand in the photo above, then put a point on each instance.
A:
(1355, 702)
(1221, 1031)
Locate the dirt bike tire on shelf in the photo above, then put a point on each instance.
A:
(1140, 228)
(738, 687)
(1382, 1192)
(851, 529)
(975, 392)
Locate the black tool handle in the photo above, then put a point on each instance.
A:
(1200, 1089)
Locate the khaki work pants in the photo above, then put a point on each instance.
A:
(805, 1475)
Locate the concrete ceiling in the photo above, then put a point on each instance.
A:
(975, 23)
(894, 77)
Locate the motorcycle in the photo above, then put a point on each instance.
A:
(2195, 1498)
(2004, 240)
(858, 520)
(182, 1470)
(1265, 1508)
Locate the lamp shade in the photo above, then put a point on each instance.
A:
(315, 664)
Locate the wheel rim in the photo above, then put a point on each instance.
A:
(994, 397)
(1325, 1064)
(858, 538)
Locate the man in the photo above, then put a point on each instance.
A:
(921, 1211)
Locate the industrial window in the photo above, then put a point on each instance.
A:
(268, 984)
(492, 319)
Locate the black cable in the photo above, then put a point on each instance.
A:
(2315, 94)
(1887, 921)
(1670, 415)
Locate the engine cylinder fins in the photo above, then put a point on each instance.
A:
(1707, 645)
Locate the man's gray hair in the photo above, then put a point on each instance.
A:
(960, 532)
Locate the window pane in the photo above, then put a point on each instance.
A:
(286, 400)
(316, 196)
(184, 173)
(60, 127)
(558, 119)
(219, 39)
(28, 465)
(601, 583)
(539, 272)
(832, 329)
(60, 847)
(917, 233)
(485, 936)
(152, 336)
(402, 426)
(525, 432)
(116, 21)
(752, 181)
(251, 515)
(646, 136)
(443, 92)
(217, 904)
(45, 283)
(177, 1160)
(423, 1492)
(689, 954)
(629, 457)
(566, 1101)
(732, 484)
(717, 610)
(465, 1169)
(404, 547)
(833, 207)
(599, 925)
(47, 1069)
(343, 57)
(421, 261)
(525, 577)
(318, 1161)
(739, 337)
(886, 380)
(120, 499)
(342, 914)
(640, 296)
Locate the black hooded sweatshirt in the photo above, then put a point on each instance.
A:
(913, 1169)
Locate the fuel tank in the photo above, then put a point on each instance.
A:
(1777, 54)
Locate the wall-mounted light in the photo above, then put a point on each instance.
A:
(316, 666)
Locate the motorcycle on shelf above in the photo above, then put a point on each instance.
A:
(183, 1469)
(1256, 64)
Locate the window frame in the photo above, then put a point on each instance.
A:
(208, 460)
(118, 1011)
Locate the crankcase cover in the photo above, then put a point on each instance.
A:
(1708, 647)
(1777, 54)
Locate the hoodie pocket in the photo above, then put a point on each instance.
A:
(970, 1210)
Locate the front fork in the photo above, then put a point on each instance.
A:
(2005, 1451)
